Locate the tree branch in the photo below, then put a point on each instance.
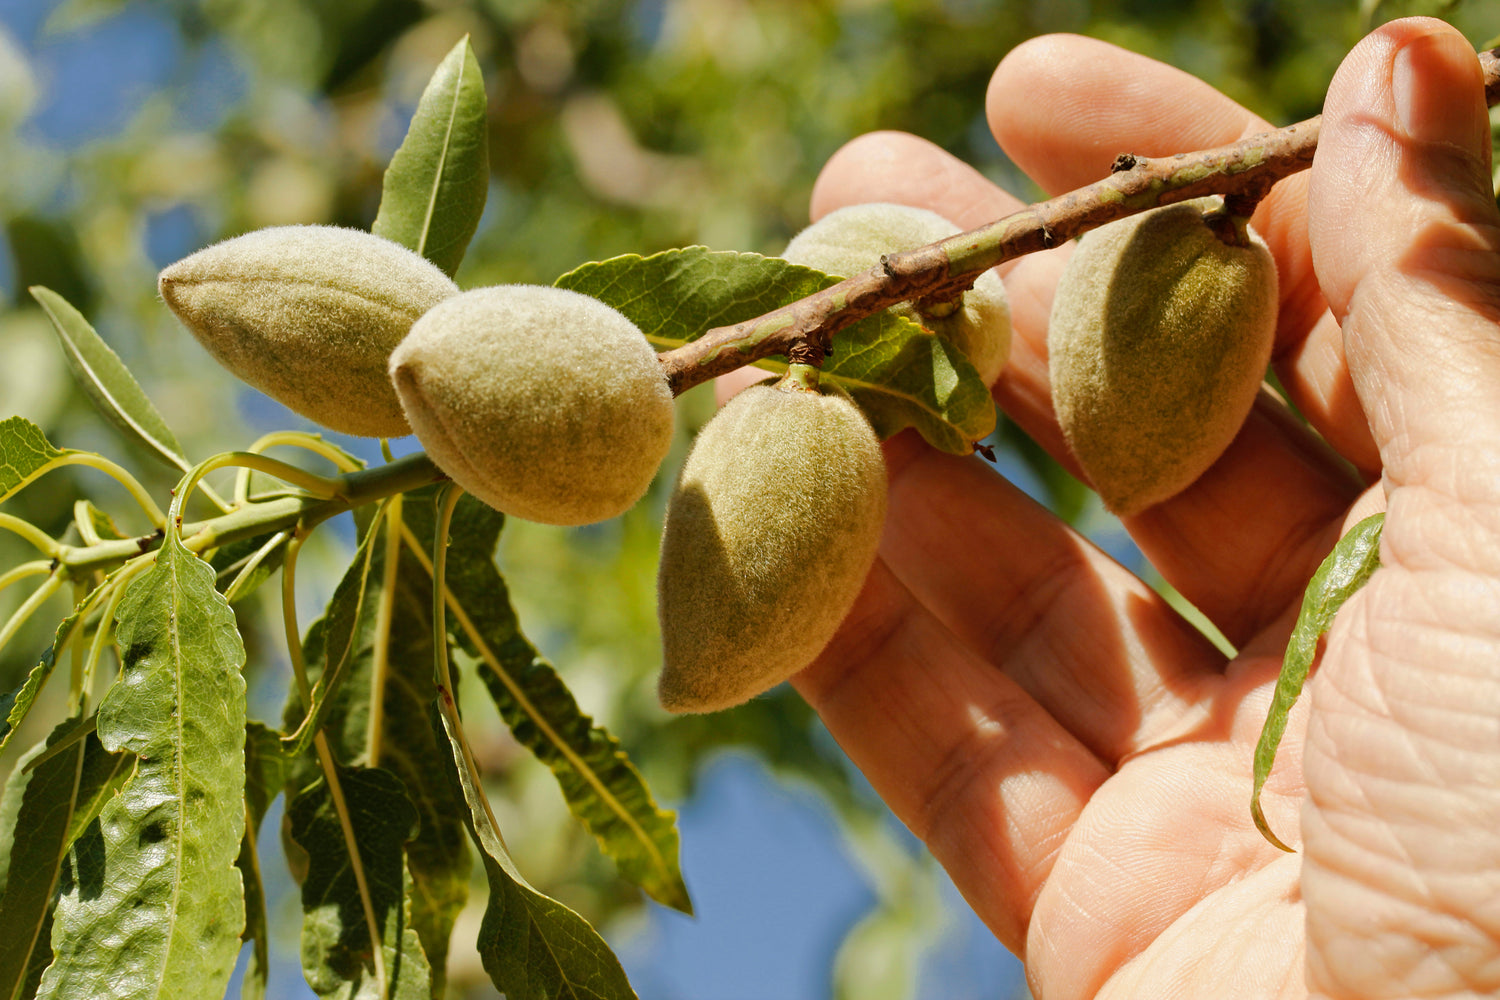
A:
(1243, 172)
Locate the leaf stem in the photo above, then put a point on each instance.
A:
(319, 700)
(385, 611)
(289, 618)
(322, 487)
(114, 590)
(259, 518)
(76, 693)
(231, 592)
(446, 500)
(38, 538)
(38, 597)
(118, 473)
(291, 439)
(21, 572)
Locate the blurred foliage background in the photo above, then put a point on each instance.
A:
(133, 132)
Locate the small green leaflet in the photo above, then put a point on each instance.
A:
(901, 375)
(533, 947)
(108, 383)
(1347, 568)
(436, 184)
(24, 455)
(602, 787)
(336, 945)
(42, 812)
(152, 905)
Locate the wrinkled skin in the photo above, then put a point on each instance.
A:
(1074, 753)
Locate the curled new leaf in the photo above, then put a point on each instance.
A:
(1347, 568)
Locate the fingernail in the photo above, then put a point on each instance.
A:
(1437, 99)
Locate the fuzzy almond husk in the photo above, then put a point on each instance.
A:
(770, 533)
(1159, 338)
(309, 315)
(544, 403)
(851, 240)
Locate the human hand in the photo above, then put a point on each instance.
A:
(1075, 754)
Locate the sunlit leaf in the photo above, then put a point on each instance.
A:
(532, 946)
(42, 812)
(152, 905)
(603, 789)
(337, 950)
(107, 382)
(901, 375)
(435, 187)
(1347, 568)
(265, 773)
(24, 454)
(378, 634)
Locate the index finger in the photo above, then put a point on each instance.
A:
(1064, 136)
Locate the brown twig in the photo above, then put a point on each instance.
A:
(1243, 172)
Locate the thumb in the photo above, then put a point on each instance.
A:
(1401, 828)
(1403, 228)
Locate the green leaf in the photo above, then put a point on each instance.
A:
(378, 712)
(265, 773)
(336, 946)
(152, 905)
(102, 524)
(24, 455)
(435, 187)
(532, 946)
(602, 787)
(900, 374)
(1347, 568)
(108, 383)
(42, 812)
